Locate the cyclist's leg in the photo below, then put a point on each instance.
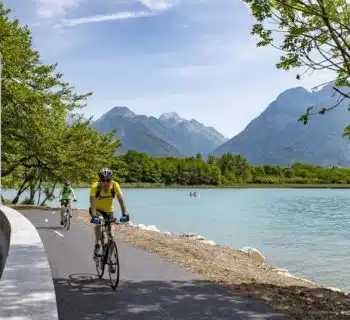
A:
(110, 217)
(70, 207)
(62, 211)
(97, 228)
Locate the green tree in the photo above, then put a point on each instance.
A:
(34, 98)
(235, 168)
(315, 36)
(211, 159)
(39, 149)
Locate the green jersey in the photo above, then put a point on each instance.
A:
(66, 193)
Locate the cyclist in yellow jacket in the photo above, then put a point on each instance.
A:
(102, 196)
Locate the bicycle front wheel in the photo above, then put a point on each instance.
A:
(64, 219)
(68, 218)
(100, 266)
(101, 261)
(113, 264)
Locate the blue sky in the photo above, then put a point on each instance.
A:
(194, 57)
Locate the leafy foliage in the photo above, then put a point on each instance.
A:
(39, 149)
(311, 34)
(226, 170)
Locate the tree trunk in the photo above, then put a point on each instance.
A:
(39, 189)
(31, 192)
(20, 191)
(39, 196)
(49, 194)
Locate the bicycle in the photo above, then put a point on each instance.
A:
(66, 213)
(109, 249)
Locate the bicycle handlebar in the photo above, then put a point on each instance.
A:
(98, 221)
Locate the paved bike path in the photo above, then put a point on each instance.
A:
(150, 287)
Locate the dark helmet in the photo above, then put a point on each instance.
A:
(105, 174)
(67, 183)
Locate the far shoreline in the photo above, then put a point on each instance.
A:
(236, 186)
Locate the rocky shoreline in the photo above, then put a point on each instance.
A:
(244, 271)
(255, 254)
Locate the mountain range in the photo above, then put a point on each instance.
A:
(167, 135)
(276, 137)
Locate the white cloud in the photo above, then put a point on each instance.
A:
(50, 8)
(106, 17)
(152, 7)
(158, 5)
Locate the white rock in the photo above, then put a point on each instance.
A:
(254, 253)
(285, 273)
(210, 242)
(334, 289)
(152, 228)
(281, 270)
(199, 237)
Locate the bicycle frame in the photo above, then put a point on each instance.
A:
(66, 206)
(66, 215)
(108, 230)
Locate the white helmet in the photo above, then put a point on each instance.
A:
(105, 174)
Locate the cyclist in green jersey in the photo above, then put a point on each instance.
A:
(65, 196)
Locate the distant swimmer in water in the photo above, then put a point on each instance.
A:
(193, 194)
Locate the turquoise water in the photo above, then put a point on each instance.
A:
(305, 231)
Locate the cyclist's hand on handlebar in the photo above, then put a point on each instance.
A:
(95, 220)
(124, 218)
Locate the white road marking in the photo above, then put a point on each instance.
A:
(53, 212)
(46, 220)
(60, 234)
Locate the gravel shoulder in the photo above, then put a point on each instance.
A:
(245, 273)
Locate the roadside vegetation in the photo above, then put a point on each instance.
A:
(39, 148)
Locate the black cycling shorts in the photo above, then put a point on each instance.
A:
(65, 202)
(105, 215)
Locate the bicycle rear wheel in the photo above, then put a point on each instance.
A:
(113, 264)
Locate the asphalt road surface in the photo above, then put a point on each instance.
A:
(149, 288)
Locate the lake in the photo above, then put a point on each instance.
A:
(306, 231)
